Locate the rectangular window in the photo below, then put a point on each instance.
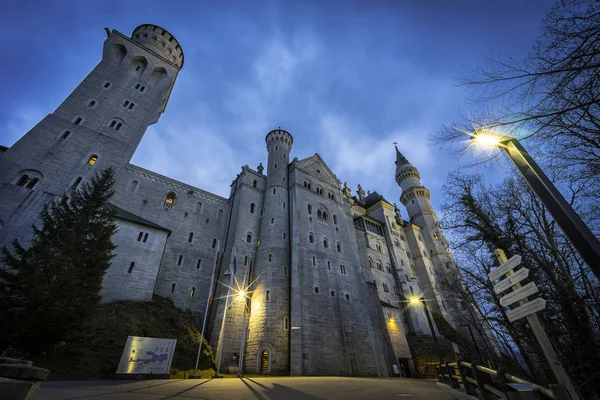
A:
(192, 291)
(329, 265)
(343, 269)
(180, 259)
(385, 288)
(172, 288)
(284, 205)
(245, 260)
(140, 236)
(198, 264)
(314, 261)
(131, 267)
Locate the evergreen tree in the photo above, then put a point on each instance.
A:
(46, 289)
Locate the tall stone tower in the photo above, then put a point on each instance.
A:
(99, 125)
(268, 340)
(433, 260)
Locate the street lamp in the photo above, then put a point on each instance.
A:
(416, 300)
(579, 234)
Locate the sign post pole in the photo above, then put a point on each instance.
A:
(544, 342)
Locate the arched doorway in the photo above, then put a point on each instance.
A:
(264, 362)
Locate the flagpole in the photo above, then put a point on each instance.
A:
(208, 300)
(243, 335)
(227, 299)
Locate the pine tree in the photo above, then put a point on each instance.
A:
(46, 289)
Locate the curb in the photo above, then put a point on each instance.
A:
(456, 393)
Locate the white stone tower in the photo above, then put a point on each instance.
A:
(268, 340)
(430, 253)
(98, 125)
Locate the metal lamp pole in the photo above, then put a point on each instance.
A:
(579, 234)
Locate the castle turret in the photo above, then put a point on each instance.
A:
(99, 125)
(268, 341)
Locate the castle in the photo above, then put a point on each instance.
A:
(331, 271)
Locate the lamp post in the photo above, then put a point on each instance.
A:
(579, 234)
(416, 300)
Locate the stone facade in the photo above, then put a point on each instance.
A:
(330, 272)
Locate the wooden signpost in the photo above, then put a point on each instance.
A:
(527, 309)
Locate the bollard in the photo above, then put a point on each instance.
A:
(454, 383)
(482, 380)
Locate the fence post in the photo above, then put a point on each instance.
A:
(482, 380)
(466, 372)
(560, 392)
(454, 383)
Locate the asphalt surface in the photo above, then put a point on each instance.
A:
(297, 388)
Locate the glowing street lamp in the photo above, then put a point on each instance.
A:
(417, 300)
(579, 234)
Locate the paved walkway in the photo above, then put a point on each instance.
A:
(297, 388)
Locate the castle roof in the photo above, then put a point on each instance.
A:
(127, 216)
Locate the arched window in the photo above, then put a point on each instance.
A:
(198, 208)
(254, 183)
(319, 214)
(133, 186)
(396, 242)
(371, 263)
(309, 209)
(325, 243)
(379, 266)
(92, 103)
(388, 268)
(324, 216)
(333, 293)
(347, 296)
(32, 183)
(335, 219)
(264, 362)
(252, 207)
(192, 291)
(93, 160)
(316, 289)
(190, 237)
(22, 180)
(402, 262)
(413, 270)
(145, 238)
(170, 199)
(249, 238)
(76, 183)
(311, 238)
(378, 247)
(338, 247)
(436, 237)
(268, 295)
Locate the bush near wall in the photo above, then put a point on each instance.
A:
(94, 351)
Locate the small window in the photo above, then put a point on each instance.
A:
(145, 238)
(78, 121)
(220, 215)
(133, 186)
(314, 261)
(343, 269)
(413, 270)
(335, 219)
(325, 243)
(131, 267)
(378, 247)
(317, 289)
(309, 209)
(268, 295)
(385, 287)
(347, 296)
(131, 106)
(252, 208)
(436, 237)
(379, 266)
(275, 165)
(285, 323)
(126, 103)
(430, 253)
(92, 104)
(170, 199)
(198, 209)
(214, 243)
(339, 247)
(444, 286)
(272, 221)
(180, 259)
(22, 180)
(284, 205)
(248, 238)
(329, 265)
(333, 293)
(283, 235)
(284, 271)
(93, 160)
(172, 288)
(65, 134)
(193, 290)
(107, 85)
(270, 257)
(198, 264)
(76, 183)
(311, 238)
(274, 191)
(254, 183)
(190, 237)
(139, 239)
(371, 263)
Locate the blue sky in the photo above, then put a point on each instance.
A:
(345, 78)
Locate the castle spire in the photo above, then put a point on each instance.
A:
(400, 159)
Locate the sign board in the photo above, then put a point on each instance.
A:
(519, 294)
(513, 262)
(511, 280)
(143, 355)
(529, 308)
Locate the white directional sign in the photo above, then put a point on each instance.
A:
(529, 308)
(519, 294)
(513, 262)
(511, 280)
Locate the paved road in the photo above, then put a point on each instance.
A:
(300, 388)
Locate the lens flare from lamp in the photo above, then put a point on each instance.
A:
(486, 139)
(415, 300)
(241, 294)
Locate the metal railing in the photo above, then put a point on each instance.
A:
(478, 380)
